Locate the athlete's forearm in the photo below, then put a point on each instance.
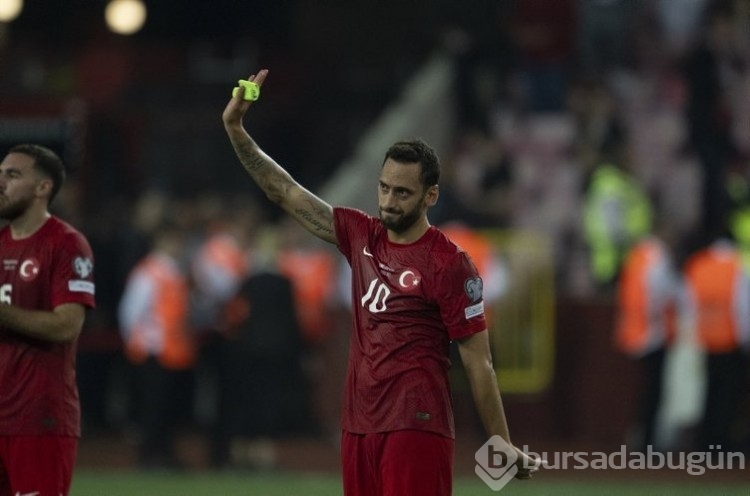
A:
(272, 179)
(477, 359)
(488, 401)
(61, 325)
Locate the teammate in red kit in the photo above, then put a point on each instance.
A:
(413, 292)
(46, 284)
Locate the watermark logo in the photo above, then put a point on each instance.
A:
(496, 463)
(694, 463)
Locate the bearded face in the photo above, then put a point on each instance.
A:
(11, 209)
(402, 198)
(398, 220)
(18, 185)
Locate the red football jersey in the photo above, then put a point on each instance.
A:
(409, 302)
(38, 392)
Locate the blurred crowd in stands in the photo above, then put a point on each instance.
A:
(658, 90)
(621, 130)
(589, 121)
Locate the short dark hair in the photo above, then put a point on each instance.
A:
(419, 152)
(46, 161)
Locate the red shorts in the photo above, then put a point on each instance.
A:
(398, 463)
(39, 465)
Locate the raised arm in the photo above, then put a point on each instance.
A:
(314, 214)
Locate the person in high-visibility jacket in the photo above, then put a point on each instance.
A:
(718, 302)
(738, 194)
(617, 213)
(648, 293)
(153, 314)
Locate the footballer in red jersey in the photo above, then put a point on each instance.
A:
(46, 284)
(413, 292)
(409, 302)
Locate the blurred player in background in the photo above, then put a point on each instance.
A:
(46, 285)
(413, 291)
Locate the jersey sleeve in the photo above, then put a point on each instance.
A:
(73, 272)
(460, 297)
(346, 221)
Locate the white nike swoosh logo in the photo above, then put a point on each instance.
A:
(366, 252)
(35, 493)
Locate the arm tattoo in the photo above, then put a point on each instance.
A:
(317, 218)
(314, 214)
(251, 160)
(269, 176)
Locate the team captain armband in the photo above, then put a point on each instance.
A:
(252, 90)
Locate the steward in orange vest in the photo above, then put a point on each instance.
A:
(154, 311)
(647, 295)
(719, 296)
(153, 322)
(718, 300)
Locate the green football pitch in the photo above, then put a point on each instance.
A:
(129, 483)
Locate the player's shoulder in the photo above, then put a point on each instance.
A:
(63, 232)
(356, 220)
(444, 255)
(444, 265)
(444, 246)
(59, 227)
(352, 214)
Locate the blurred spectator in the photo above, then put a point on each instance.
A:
(679, 194)
(483, 48)
(718, 305)
(681, 22)
(738, 192)
(546, 179)
(219, 258)
(647, 299)
(221, 261)
(478, 180)
(605, 28)
(158, 343)
(617, 211)
(708, 71)
(593, 109)
(545, 32)
(263, 389)
(313, 270)
(147, 213)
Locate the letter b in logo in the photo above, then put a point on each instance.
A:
(496, 463)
